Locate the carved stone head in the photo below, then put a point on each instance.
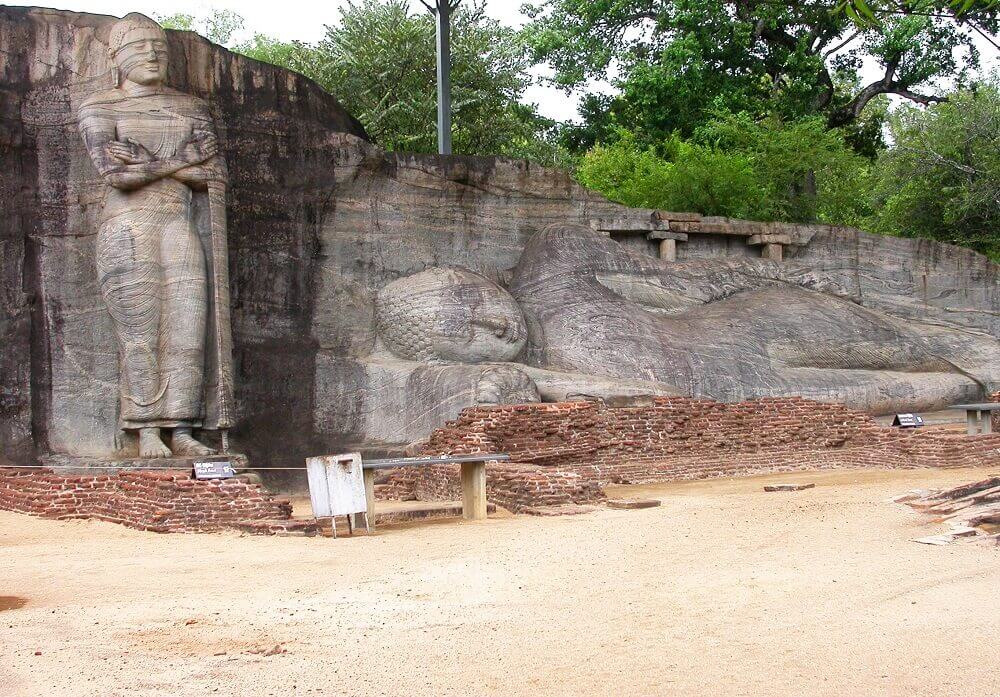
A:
(137, 47)
(449, 315)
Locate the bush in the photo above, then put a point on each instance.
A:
(735, 166)
(940, 179)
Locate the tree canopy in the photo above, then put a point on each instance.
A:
(676, 61)
(941, 177)
(379, 60)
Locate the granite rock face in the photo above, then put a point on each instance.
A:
(320, 221)
(58, 359)
(739, 329)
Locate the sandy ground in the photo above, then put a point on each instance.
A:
(723, 590)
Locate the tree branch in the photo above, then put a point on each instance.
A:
(852, 110)
(925, 99)
(841, 45)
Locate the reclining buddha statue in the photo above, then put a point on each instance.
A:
(585, 316)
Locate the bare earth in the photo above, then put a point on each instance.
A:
(724, 589)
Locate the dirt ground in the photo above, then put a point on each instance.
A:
(723, 590)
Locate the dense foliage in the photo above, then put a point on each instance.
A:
(736, 166)
(379, 61)
(941, 178)
(674, 62)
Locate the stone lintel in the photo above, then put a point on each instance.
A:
(756, 240)
(671, 216)
(664, 235)
(628, 225)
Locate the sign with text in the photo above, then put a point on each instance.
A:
(908, 421)
(214, 469)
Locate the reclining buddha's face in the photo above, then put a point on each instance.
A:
(452, 315)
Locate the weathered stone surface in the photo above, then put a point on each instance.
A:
(738, 329)
(789, 487)
(632, 504)
(449, 315)
(320, 220)
(161, 252)
(57, 335)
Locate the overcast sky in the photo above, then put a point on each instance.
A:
(304, 20)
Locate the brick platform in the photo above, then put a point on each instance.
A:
(567, 452)
(159, 501)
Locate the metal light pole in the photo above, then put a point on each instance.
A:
(442, 9)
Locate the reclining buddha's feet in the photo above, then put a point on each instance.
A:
(185, 444)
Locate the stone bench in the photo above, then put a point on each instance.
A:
(978, 417)
(473, 478)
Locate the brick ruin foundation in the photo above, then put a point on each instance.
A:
(158, 501)
(565, 453)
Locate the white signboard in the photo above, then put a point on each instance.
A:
(336, 485)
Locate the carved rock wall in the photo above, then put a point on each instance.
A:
(58, 368)
(319, 221)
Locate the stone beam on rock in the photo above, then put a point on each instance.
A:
(668, 243)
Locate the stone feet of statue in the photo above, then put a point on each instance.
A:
(185, 444)
(151, 445)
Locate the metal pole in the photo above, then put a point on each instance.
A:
(444, 75)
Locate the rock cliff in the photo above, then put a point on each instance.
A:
(320, 219)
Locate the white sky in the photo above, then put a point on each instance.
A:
(304, 20)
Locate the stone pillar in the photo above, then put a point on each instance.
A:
(771, 246)
(668, 243)
(772, 252)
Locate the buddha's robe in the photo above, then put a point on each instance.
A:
(152, 263)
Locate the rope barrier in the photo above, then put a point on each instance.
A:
(369, 464)
(131, 467)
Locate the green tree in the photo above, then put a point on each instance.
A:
(379, 60)
(675, 62)
(941, 177)
(736, 166)
(219, 26)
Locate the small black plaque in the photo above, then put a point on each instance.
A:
(214, 469)
(908, 421)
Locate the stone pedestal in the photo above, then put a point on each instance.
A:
(69, 464)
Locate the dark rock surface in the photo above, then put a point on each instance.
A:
(58, 368)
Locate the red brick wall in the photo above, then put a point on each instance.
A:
(160, 501)
(566, 452)
(995, 397)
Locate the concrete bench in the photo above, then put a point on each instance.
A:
(473, 478)
(979, 417)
